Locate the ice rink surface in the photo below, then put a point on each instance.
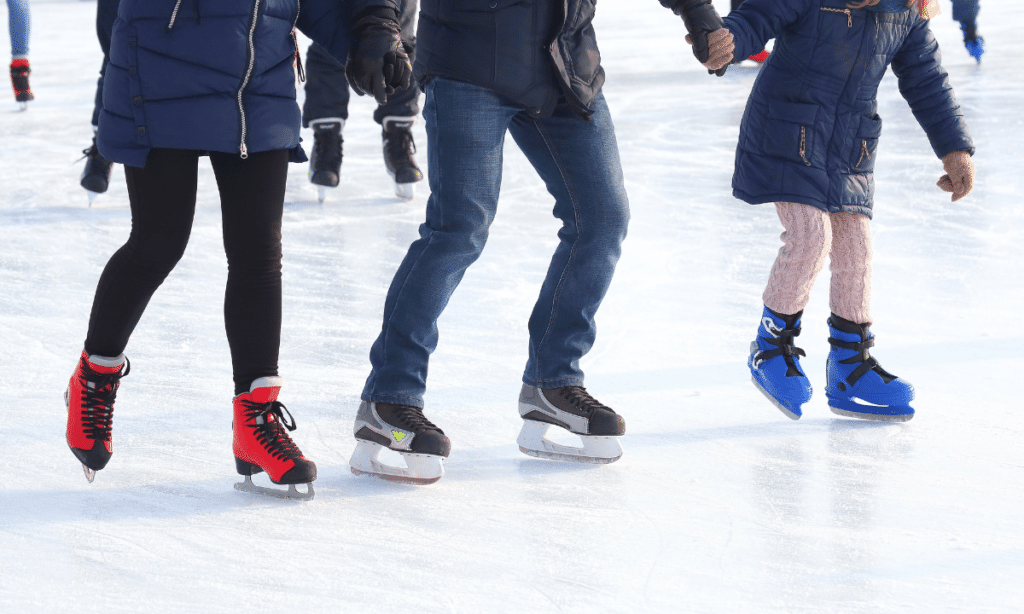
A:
(720, 503)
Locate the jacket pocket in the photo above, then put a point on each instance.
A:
(789, 132)
(866, 144)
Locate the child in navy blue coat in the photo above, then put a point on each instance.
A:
(808, 143)
(188, 79)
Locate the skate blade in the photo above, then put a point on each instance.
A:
(775, 402)
(596, 450)
(420, 469)
(405, 191)
(872, 416)
(90, 474)
(92, 196)
(292, 493)
(321, 194)
(23, 106)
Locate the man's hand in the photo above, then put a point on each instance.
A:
(378, 63)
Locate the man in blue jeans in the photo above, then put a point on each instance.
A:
(530, 68)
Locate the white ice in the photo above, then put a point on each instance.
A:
(719, 504)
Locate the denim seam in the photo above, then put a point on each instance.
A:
(572, 251)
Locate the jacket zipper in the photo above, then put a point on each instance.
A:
(243, 150)
(803, 145)
(295, 37)
(863, 152)
(847, 12)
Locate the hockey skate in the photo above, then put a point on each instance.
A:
(399, 148)
(89, 400)
(405, 430)
(857, 386)
(325, 161)
(96, 175)
(974, 43)
(573, 409)
(261, 443)
(19, 80)
(775, 364)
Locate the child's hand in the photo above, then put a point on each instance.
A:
(959, 177)
(720, 48)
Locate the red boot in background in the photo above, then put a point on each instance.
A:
(19, 80)
(262, 443)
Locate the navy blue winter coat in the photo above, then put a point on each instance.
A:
(211, 75)
(810, 129)
(531, 51)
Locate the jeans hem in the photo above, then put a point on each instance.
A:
(392, 398)
(556, 383)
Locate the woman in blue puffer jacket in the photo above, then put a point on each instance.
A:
(192, 78)
(808, 143)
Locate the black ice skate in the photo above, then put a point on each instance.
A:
(19, 80)
(573, 409)
(405, 430)
(96, 175)
(325, 161)
(399, 148)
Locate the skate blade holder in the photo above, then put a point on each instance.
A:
(419, 469)
(292, 492)
(596, 449)
(405, 191)
(862, 410)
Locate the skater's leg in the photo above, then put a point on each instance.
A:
(806, 239)
(774, 360)
(466, 128)
(850, 291)
(252, 202)
(162, 197)
(19, 23)
(579, 163)
(965, 11)
(327, 92)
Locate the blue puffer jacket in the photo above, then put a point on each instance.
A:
(810, 129)
(211, 76)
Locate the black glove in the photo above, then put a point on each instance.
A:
(378, 63)
(700, 19)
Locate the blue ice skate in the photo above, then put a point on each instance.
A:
(856, 385)
(975, 44)
(775, 365)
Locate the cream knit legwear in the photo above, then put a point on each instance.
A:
(809, 235)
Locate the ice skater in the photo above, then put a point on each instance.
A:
(326, 111)
(179, 84)
(19, 22)
(523, 69)
(96, 174)
(808, 143)
(966, 12)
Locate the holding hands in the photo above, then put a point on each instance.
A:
(959, 177)
(717, 48)
(712, 42)
(378, 63)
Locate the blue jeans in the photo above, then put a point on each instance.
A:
(578, 161)
(18, 21)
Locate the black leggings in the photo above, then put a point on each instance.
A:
(163, 203)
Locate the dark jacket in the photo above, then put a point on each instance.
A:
(211, 75)
(530, 51)
(810, 129)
